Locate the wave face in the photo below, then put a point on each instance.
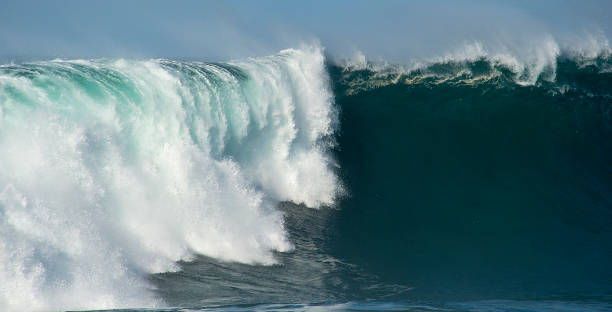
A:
(114, 169)
(475, 185)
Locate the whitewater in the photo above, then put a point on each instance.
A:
(114, 169)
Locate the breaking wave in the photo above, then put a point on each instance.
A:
(475, 62)
(115, 169)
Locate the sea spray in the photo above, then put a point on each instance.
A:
(114, 169)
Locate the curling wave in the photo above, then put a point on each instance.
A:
(114, 169)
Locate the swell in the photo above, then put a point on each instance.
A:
(468, 184)
(115, 169)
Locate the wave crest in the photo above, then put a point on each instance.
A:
(529, 64)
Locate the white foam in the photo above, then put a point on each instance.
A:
(530, 60)
(104, 182)
(589, 46)
(357, 61)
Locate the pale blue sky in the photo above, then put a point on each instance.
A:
(394, 30)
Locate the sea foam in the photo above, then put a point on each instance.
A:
(115, 169)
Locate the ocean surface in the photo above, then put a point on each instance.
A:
(476, 182)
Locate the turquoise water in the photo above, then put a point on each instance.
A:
(289, 183)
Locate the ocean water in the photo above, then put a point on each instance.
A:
(473, 182)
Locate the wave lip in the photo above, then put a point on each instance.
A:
(115, 169)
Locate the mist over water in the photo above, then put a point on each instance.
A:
(393, 31)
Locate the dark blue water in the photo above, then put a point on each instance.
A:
(480, 191)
